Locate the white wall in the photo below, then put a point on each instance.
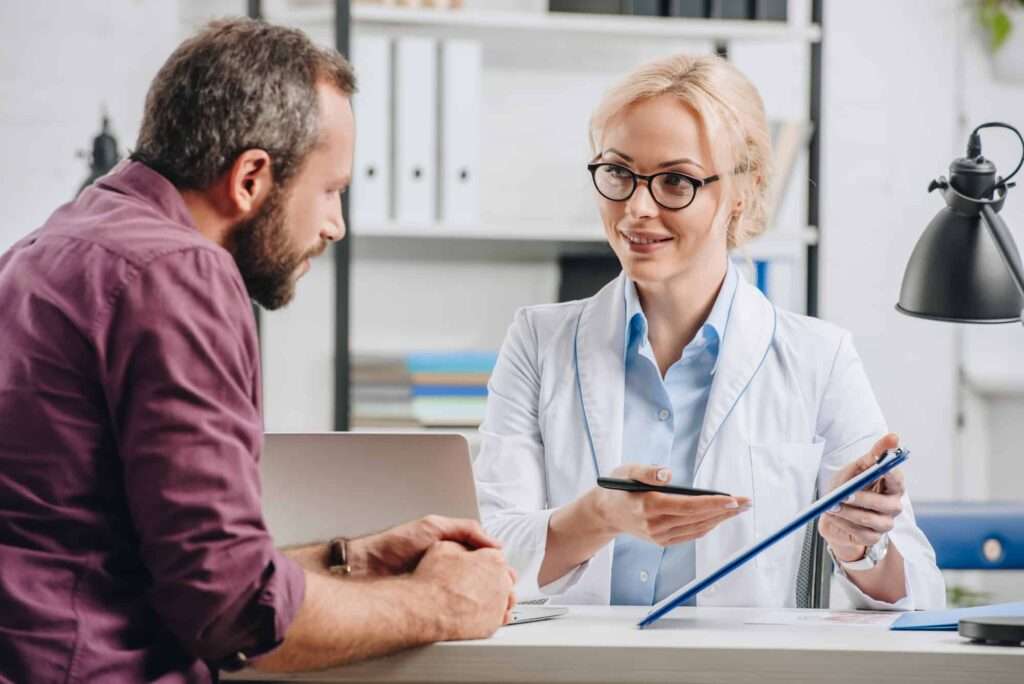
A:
(889, 128)
(61, 61)
(993, 356)
(903, 85)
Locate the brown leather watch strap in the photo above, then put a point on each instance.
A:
(337, 557)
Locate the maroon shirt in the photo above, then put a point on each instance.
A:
(132, 546)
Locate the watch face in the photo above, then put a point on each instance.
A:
(876, 552)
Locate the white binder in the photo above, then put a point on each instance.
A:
(460, 73)
(415, 117)
(371, 177)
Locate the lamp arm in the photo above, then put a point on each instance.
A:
(1004, 241)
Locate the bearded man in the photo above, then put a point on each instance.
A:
(132, 545)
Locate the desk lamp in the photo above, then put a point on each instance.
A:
(104, 154)
(966, 269)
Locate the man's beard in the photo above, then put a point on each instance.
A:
(265, 257)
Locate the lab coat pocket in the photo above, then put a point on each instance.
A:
(784, 479)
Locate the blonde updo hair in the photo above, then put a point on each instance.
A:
(732, 113)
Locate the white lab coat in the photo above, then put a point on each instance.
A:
(789, 406)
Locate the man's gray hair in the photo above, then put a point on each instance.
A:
(238, 84)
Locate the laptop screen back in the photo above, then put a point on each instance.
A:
(348, 484)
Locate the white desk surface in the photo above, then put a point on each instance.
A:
(602, 644)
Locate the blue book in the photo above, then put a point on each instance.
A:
(451, 362)
(948, 620)
(761, 276)
(449, 391)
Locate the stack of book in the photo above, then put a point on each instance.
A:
(381, 392)
(450, 389)
(421, 389)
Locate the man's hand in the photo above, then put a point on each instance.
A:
(399, 550)
(453, 593)
(474, 589)
(860, 522)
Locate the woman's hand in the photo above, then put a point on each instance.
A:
(664, 519)
(868, 514)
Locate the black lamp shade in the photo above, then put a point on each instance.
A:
(957, 274)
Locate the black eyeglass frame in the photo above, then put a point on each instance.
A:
(697, 183)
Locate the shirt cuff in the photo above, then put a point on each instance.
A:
(566, 581)
(275, 607)
(862, 601)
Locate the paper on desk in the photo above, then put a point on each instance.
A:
(816, 618)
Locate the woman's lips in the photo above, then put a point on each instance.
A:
(645, 243)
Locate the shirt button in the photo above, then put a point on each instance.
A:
(644, 576)
(663, 414)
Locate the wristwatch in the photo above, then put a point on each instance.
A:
(873, 555)
(337, 557)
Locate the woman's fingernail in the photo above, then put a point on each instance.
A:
(664, 475)
(731, 504)
(834, 509)
(849, 499)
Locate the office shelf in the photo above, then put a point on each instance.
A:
(449, 23)
(540, 70)
(533, 241)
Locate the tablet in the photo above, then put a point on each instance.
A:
(887, 462)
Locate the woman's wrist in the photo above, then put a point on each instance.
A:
(847, 554)
(595, 504)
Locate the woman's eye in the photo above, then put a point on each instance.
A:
(616, 172)
(675, 180)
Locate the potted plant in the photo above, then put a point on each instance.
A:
(1003, 22)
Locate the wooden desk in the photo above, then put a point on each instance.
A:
(602, 644)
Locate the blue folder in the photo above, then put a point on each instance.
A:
(948, 620)
(888, 461)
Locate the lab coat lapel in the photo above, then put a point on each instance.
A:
(748, 337)
(600, 341)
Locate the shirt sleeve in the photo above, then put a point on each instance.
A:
(182, 381)
(850, 421)
(510, 470)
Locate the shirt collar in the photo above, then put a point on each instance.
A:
(138, 180)
(713, 328)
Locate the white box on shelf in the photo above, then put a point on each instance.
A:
(371, 182)
(460, 76)
(415, 119)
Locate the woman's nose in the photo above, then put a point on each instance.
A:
(642, 203)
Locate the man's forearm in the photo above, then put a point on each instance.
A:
(315, 558)
(312, 557)
(343, 620)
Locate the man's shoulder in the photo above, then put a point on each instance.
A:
(121, 227)
(90, 251)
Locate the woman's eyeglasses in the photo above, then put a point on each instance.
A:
(670, 189)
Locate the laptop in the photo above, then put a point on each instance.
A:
(348, 484)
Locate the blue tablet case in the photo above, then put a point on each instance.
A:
(889, 461)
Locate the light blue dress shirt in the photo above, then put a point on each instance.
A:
(662, 423)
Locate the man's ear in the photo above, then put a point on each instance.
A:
(248, 182)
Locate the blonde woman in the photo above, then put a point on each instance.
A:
(680, 372)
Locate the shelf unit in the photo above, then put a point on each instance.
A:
(561, 36)
(489, 23)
